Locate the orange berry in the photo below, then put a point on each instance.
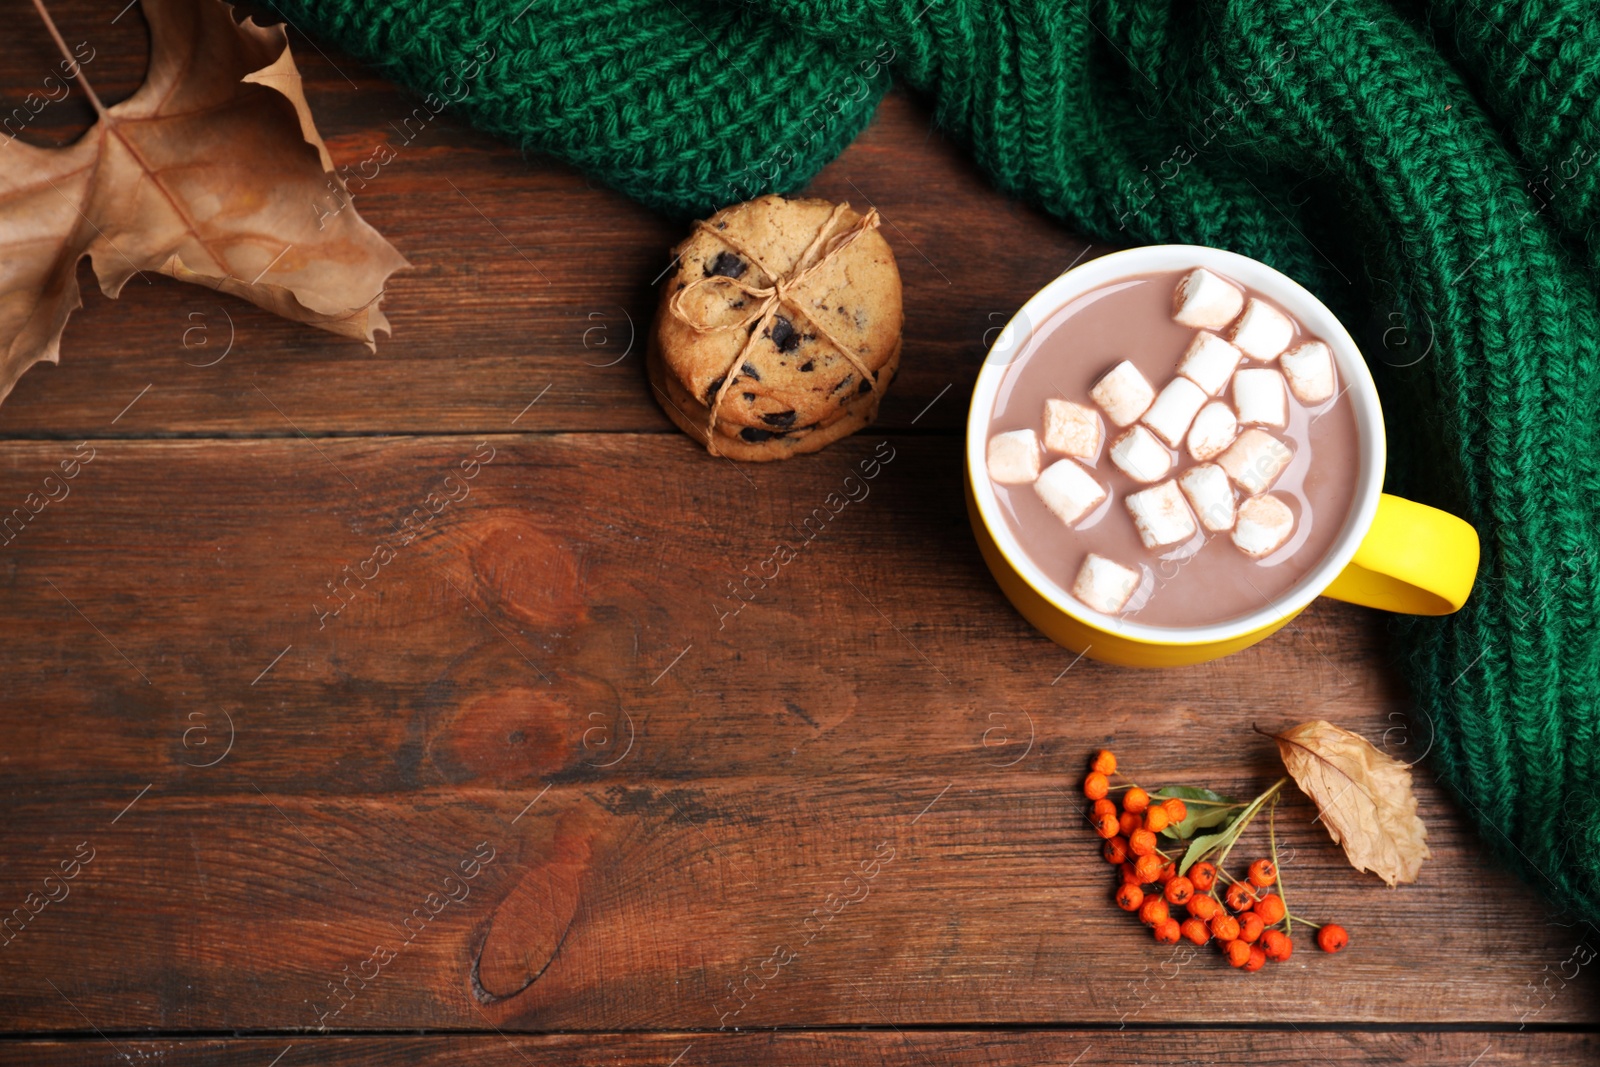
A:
(1195, 931)
(1148, 868)
(1103, 806)
(1179, 891)
(1250, 927)
(1105, 826)
(1096, 785)
(1177, 810)
(1204, 876)
(1271, 909)
(1128, 874)
(1135, 800)
(1153, 910)
(1239, 896)
(1129, 823)
(1203, 907)
(1238, 953)
(1167, 873)
(1263, 873)
(1104, 762)
(1142, 843)
(1155, 819)
(1257, 960)
(1115, 850)
(1332, 938)
(1224, 927)
(1277, 945)
(1129, 897)
(1167, 932)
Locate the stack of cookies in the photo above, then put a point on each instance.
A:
(779, 329)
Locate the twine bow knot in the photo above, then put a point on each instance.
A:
(769, 298)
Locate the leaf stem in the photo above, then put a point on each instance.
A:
(77, 69)
(1245, 818)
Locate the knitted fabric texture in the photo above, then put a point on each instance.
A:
(1430, 171)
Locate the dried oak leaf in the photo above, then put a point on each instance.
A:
(212, 172)
(1365, 798)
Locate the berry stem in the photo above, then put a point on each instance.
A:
(1186, 801)
(1298, 919)
(1272, 841)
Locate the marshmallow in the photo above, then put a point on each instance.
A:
(1161, 515)
(1014, 457)
(1210, 494)
(1206, 301)
(1309, 368)
(1259, 397)
(1174, 410)
(1209, 362)
(1262, 331)
(1214, 429)
(1140, 456)
(1265, 523)
(1255, 460)
(1068, 490)
(1071, 429)
(1104, 584)
(1123, 393)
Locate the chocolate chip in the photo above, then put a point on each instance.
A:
(728, 265)
(866, 387)
(808, 366)
(711, 390)
(846, 380)
(750, 372)
(739, 303)
(755, 436)
(783, 334)
(750, 397)
(781, 419)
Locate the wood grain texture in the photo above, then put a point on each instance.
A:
(704, 801)
(485, 707)
(955, 1048)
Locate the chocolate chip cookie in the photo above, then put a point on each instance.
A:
(779, 330)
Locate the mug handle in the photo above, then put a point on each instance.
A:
(1414, 559)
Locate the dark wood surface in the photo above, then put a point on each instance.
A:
(670, 787)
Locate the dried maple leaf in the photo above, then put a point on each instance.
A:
(212, 172)
(1365, 798)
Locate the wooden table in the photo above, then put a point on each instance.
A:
(543, 791)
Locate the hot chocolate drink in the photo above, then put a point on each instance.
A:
(1173, 449)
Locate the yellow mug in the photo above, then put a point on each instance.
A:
(1391, 554)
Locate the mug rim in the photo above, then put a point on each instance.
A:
(1295, 300)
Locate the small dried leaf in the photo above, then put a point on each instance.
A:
(212, 172)
(1365, 798)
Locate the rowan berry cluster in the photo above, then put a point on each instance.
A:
(1176, 895)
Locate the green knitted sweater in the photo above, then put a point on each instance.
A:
(1428, 169)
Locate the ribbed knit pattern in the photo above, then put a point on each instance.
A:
(1432, 171)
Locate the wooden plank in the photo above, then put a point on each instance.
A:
(669, 803)
(526, 276)
(955, 1048)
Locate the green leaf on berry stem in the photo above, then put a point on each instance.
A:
(1214, 809)
(1201, 845)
